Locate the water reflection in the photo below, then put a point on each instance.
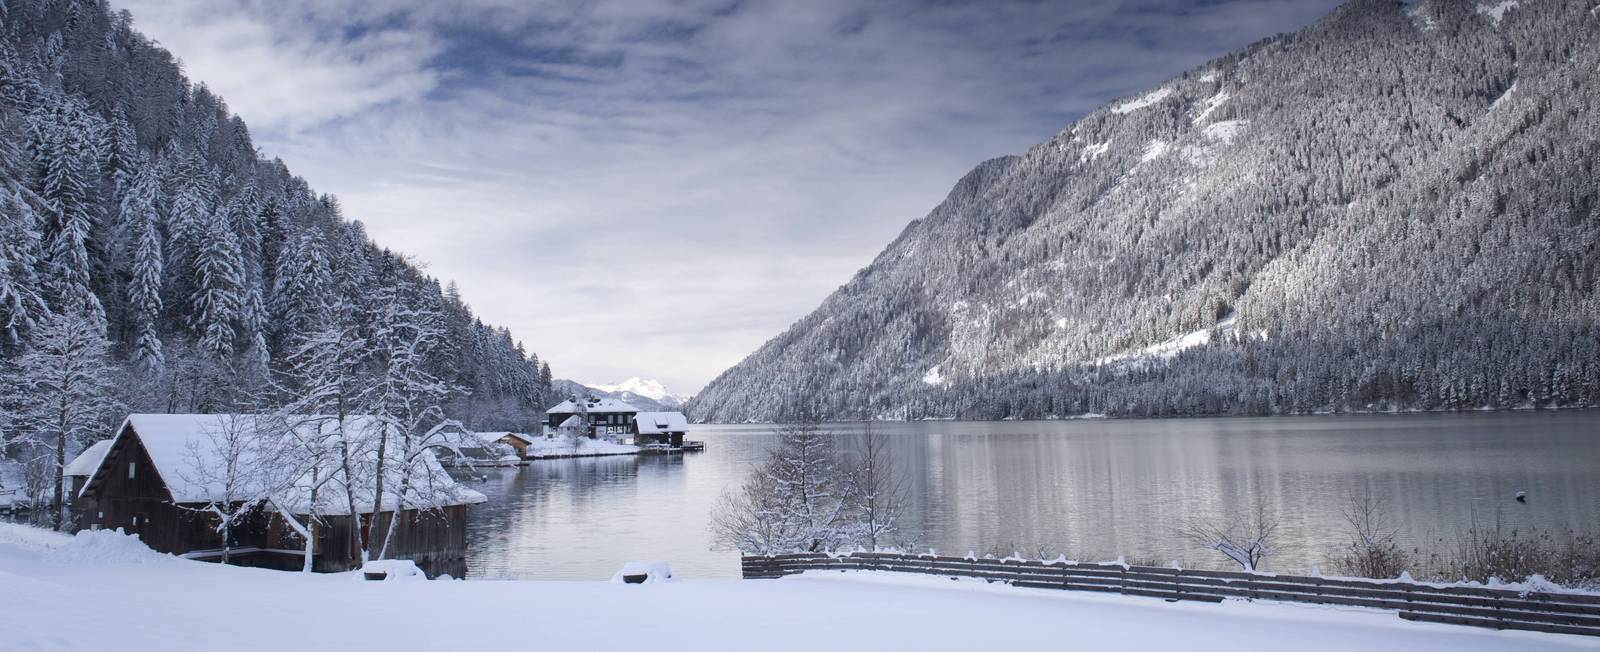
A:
(1089, 489)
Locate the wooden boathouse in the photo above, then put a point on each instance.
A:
(156, 478)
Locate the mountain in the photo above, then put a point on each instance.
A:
(641, 388)
(1393, 208)
(647, 395)
(133, 199)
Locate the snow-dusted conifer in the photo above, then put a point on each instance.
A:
(218, 287)
(67, 169)
(22, 301)
(144, 293)
(302, 280)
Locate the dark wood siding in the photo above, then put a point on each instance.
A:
(142, 505)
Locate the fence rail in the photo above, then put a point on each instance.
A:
(1562, 613)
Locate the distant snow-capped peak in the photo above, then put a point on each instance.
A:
(647, 388)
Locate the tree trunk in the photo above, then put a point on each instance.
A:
(354, 541)
(60, 512)
(377, 496)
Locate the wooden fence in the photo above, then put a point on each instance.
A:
(1562, 613)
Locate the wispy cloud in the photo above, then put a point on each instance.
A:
(656, 188)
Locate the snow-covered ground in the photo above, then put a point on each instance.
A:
(565, 446)
(103, 590)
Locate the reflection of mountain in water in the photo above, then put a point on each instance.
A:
(1088, 489)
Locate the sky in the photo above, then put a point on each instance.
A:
(656, 188)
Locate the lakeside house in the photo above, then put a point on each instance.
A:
(666, 428)
(616, 420)
(605, 416)
(164, 478)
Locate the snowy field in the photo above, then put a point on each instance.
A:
(103, 591)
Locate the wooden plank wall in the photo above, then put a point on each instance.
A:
(1563, 613)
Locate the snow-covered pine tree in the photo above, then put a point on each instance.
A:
(148, 272)
(300, 287)
(62, 390)
(218, 287)
(22, 301)
(67, 169)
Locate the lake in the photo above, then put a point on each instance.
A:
(1091, 489)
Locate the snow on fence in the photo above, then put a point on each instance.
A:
(1542, 611)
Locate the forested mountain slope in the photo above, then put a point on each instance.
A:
(1392, 208)
(133, 200)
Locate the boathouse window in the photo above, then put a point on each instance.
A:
(131, 467)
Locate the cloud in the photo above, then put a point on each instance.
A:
(656, 188)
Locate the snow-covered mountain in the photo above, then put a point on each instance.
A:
(647, 395)
(1395, 207)
(641, 387)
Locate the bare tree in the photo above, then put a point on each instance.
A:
(875, 489)
(423, 483)
(226, 465)
(1246, 541)
(1372, 552)
(326, 373)
(753, 518)
(301, 450)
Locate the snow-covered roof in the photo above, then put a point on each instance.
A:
(185, 451)
(592, 405)
(89, 460)
(655, 423)
(492, 437)
(573, 421)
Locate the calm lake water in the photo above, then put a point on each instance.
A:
(1090, 489)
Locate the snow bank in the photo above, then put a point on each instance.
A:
(105, 547)
(86, 548)
(194, 606)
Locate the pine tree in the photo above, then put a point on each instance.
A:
(148, 273)
(22, 301)
(67, 169)
(218, 294)
(300, 286)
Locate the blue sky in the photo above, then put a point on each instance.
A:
(656, 188)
